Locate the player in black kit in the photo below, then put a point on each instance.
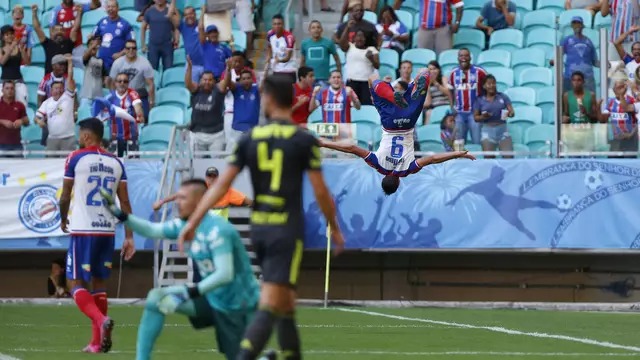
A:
(278, 155)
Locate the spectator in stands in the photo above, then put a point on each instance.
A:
(280, 42)
(499, 14)
(13, 115)
(592, 5)
(439, 93)
(580, 56)
(58, 74)
(302, 90)
(188, 27)
(336, 100)
(631, 61)
(57, 44)
(158, 19)
(448, 130)
(215, 54)
(315, 52)
(11, 55)
(115, 32)
(124, 133)
(94, 73)
(491, 110)
(356, 11)
(57, 280)
(464, 80)
(244, 17)
(238, 64)
(367, 5)
(207, 118)
(24, 32)
(395, 34)
(66, 15)
(435, 27)
(361, 63)
(140, 74)
(621, 111)
(246, 107)
(406, 69)
(141, 5)
(57, 113)
(624, 15)
(579, 108)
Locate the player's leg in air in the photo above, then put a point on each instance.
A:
(89, 261)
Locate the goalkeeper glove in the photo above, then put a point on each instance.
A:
(110, 204)
(177, 296)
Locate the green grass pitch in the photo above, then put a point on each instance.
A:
(58, 332)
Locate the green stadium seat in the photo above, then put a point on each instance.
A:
(526, 58)
(156, 134)
(32, 74)
(556, 6)
(31, 134)
(521, 96)
(565, 17)
(469, 18)
(126, 4)
(600, 21)
(315, 116)
(406, 18)
(91, 18)
(35, 147)
(239, 39)
(540, 137)
(153, 147)
(419, 57)
(545, 100)
(173, 77)
(523, 5)
(390, 58)
(503, 75)
(494, 58)
(366, 114)
(538, 19)
(438, 113)
(166, 114)
(506, 39)
(536, 77)
(179, 57)
(474, 5)
(472, 39)
(130, 15)
(4, 5)
(175, 96)
(38, 57)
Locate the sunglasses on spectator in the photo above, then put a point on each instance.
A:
(131, 48)
(122, 81)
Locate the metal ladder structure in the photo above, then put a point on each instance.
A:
(174, 268)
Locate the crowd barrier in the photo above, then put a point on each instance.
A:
(486, 204)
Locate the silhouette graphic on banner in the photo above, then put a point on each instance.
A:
(507, 206)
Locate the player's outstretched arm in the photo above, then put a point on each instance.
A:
(440, 158)
(136, 224)
(343, 146)
(158, 204)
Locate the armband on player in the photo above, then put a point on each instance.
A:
(193, 291)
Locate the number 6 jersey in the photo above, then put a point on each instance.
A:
(395, 155)
(91, 168)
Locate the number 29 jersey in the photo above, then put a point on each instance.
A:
(92, 168)
(277, 155)
(395, 155)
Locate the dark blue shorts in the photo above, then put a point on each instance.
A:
(372, 160)
(89, 257)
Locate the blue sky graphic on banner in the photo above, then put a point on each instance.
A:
(486, 204)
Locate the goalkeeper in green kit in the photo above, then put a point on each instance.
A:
(228, 294)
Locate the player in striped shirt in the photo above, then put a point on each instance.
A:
(336, 100)
(621, 111)
(124, 133)
(624, 14)
(435, 23)
(465, 81)
(91, 248)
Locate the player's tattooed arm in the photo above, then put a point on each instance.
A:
(440, 158)
(65, 201)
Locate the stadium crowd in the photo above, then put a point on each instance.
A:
(492, 84)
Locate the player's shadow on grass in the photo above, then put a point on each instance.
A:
(507, 206)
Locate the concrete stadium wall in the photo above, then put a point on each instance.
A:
(407, 276)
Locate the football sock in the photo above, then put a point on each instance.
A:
(150, 327)
(87, 305)
(100, 298)
(288, 337)
(257, 334)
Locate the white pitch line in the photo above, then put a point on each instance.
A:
(310, 326)
(7, 357)
(365, 352)
(498, 329)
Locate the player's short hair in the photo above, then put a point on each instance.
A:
(238, 53)
(334, 71)
(195, 182)
(207, 72)
(57, 82)
(246, 71)
(581, 75)
(7, 82)
(406, 62)
(315, 22)
(390, 184)
(280, 88)
(303, 71)
(130, 40)
(93, 125)
(278, 16)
